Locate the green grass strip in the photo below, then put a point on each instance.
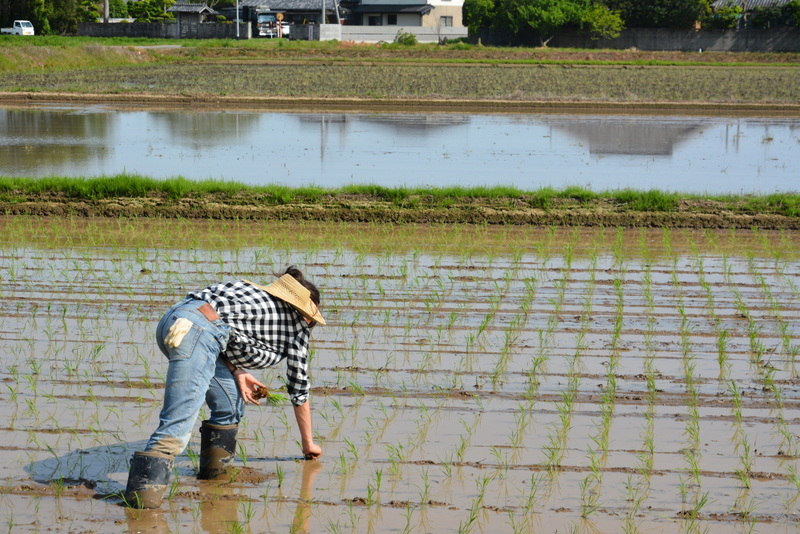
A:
(16, 189)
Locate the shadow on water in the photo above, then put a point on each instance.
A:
(95, 467)
(90, 467)
(216, 504)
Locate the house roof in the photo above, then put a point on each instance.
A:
(420, 9)
(291, 5)
(191, 8)
(748, 4)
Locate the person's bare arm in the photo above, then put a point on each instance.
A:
(246, 382)
(302, 413)
(247, 385)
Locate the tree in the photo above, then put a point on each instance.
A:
(660, 13)
(62, 16)
(771, 17)
(793, 11)
(542, 18)
(602, 22)
(724, 18)
(87, 11)
(547, 17)
(117, 9)
(36, 12)
(47, 16)
(478, 14)
(151, 10)
(765, 18)
(506, 16)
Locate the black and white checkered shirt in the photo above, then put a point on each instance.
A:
(264, 331)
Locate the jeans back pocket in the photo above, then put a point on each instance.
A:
(187, 345)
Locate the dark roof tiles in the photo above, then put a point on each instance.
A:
(749, 4)
(190, 8)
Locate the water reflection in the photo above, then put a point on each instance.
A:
(692, 154)
(39, 138)
(408, 123)
(201, 130)
(629, 135)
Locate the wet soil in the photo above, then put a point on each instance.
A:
(484, 378)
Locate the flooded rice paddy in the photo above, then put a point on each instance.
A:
(471, 379)
(685, 153)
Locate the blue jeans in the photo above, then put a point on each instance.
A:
(196, 373)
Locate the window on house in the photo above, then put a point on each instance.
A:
(374, 20)
(445, 21)
(391, 20)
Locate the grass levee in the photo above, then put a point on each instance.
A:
(21, 189)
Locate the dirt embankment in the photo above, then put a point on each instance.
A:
(348, 208)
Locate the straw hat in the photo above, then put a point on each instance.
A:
(289, 290)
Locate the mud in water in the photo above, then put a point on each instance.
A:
(470, 378)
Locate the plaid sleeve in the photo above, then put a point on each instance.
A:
(297, 380)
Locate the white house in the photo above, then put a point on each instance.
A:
(426, 13)
(370, 20)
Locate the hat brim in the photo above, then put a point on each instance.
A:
(289, 290)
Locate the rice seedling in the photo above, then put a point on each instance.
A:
(590, 487)
(280, 475)
(477, 502)
(527, 395)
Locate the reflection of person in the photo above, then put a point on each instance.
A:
(218, 510)
(302, 513)
(150, 521)
(211, 338)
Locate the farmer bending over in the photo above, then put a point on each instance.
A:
(211, 338)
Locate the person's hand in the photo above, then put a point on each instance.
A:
(247, 385)
(312, 451)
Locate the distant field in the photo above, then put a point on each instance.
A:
(230, 72)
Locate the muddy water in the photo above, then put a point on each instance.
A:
(690, 154)
(470, 379)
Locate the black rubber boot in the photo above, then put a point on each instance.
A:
(217, 450)
(148, 479)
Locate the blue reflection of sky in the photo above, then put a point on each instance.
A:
(690, 154)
